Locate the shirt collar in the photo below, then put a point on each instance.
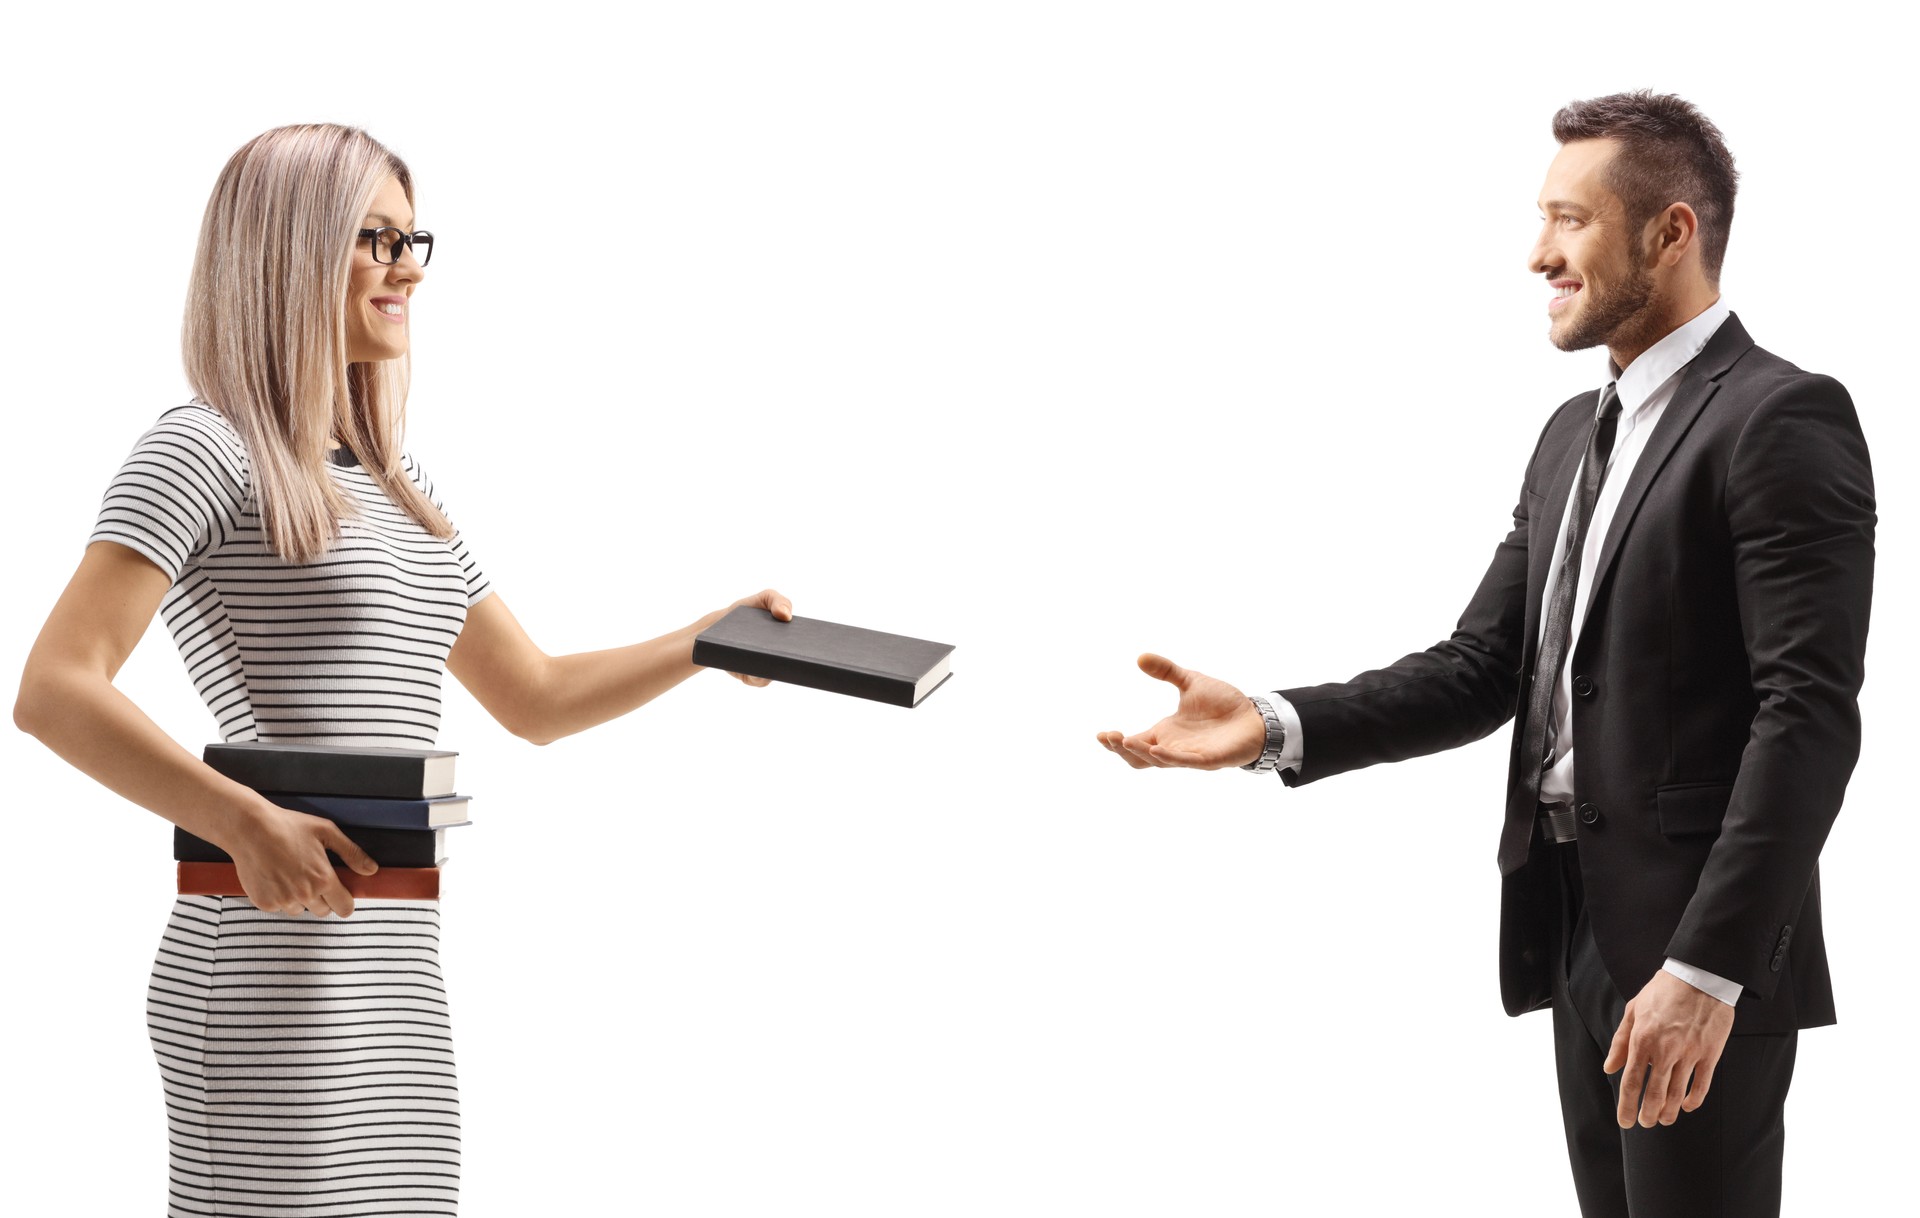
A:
(1658, 363)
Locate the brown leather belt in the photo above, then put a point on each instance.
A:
(1556, 823)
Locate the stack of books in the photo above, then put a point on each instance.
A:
(396, 804)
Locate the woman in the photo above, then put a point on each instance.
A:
(316, 589)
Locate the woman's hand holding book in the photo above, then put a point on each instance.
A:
(283, 863)
(773, 603)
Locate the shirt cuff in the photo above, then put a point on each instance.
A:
(1699, 978)
(1292, 751)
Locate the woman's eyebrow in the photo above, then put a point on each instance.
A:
(387, 220)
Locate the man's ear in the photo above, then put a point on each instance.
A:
(1672, 233)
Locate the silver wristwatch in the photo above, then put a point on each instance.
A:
(1276, 738)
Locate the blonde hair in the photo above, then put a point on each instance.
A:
(265, 337)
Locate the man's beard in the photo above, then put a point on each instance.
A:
(1615, 314)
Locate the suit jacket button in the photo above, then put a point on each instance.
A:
(1779, 958)
(1589, 814)
(1583, 686)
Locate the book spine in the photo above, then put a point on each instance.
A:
(892, 690)
(321, 774)
(404, 883)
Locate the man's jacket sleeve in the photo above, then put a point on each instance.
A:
(1800, 513)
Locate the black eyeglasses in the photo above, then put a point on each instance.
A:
(388, 241)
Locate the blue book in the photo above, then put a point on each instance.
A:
(378, 813)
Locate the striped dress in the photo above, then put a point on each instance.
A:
(307, 1062)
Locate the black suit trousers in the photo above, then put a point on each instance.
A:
(1719, 1161)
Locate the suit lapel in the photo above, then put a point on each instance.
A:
(1696, 388)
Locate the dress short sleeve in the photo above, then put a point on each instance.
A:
(180, 493)
(478, 585)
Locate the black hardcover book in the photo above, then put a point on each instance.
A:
(872, 664)
(320, 769)
(389, 847)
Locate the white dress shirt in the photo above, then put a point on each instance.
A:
(1644, 387)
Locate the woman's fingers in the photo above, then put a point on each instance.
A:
(770, 600)
(335, 899)
(336, 840)
(782, 610)
(292, 875)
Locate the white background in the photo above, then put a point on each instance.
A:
(1059, 332)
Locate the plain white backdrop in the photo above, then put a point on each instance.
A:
(1055, 331)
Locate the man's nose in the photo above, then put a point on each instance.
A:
(1543, 255)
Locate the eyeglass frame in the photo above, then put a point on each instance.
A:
(405, 238)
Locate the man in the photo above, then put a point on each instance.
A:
(1676, 624)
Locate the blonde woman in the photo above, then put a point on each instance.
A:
(316, 590)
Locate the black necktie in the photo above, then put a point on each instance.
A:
(1559, 631)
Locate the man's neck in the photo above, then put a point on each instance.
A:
(1625, 348)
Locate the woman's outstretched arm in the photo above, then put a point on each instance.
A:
(541, 698)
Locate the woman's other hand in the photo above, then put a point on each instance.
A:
(283, 864)
(68, 700)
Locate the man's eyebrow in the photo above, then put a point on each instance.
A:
(1564, 205)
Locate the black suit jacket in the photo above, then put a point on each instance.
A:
(1715, 720)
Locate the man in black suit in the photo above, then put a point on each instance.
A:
(1677, 624)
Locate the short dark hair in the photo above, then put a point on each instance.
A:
(1669, 153)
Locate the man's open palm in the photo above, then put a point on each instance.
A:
(1213, 727)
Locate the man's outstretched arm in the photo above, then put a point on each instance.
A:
(1450, 694)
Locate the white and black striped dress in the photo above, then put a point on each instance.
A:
(307, 1062)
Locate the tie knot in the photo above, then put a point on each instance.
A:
(1609, 402)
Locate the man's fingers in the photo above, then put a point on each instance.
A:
(1185, 756)
(1672, 1094)
(1111, 742)
(1655, 1098)
(1145, 749)
(1633, 1083)
(1622, 1039)
(1141, 746)
(1162, 669)
(1702, 1079)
